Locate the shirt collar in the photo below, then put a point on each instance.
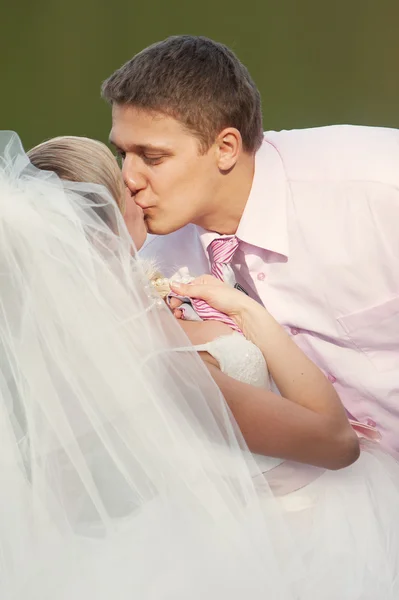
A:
(264, 220)
(207, 237)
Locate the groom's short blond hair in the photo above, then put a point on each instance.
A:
(199, 82)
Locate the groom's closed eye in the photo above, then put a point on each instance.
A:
(152, 160)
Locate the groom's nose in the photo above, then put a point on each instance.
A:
(131, 176)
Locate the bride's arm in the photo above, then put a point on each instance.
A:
(308, 423)
(275, 426)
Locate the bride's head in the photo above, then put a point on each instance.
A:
(86, 160)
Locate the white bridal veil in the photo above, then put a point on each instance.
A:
(122, 474)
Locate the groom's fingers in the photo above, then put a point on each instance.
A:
(174, 302)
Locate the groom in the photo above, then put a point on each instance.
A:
(315, 211)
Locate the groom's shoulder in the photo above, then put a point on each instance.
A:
(331, 134)
(336, 151)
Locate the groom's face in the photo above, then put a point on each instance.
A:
(163, 167)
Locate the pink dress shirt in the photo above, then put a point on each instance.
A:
(319, 247)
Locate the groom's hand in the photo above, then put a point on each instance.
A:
(174, 305)
(174, 302)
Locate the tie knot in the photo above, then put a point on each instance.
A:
(221, 250)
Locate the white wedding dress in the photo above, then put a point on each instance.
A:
(345, 523)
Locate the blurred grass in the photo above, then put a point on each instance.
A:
(315, 62)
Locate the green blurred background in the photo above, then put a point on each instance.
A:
(316, 62)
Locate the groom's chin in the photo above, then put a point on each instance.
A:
(151, 226)
(157, 227)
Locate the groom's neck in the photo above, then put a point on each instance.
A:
(226, 208)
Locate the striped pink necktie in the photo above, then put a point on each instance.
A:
(221, 252)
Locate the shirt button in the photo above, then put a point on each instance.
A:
(261, 276)
(371, 422)
(331, 378)
(294, 331)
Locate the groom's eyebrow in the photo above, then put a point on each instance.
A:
(150, 148)
(141, 147)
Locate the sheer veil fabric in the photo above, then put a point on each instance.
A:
(122, 472)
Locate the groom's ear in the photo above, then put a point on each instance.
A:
(228, 148)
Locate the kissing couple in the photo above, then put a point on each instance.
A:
(246, 446)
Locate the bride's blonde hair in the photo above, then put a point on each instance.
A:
(85, 160)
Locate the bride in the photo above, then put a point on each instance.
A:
(344, 523)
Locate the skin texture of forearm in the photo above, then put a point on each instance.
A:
(296, 377)
(275, 426)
